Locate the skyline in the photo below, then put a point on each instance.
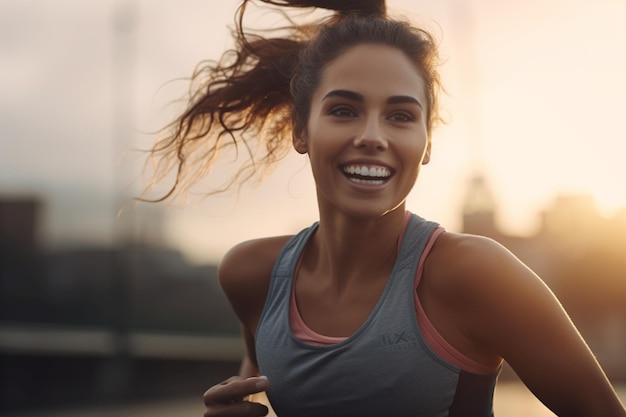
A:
(534, 103)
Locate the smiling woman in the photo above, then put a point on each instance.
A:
(384, 124)
(372, 310)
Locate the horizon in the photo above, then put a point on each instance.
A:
(150, 231)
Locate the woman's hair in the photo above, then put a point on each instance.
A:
(259, 93)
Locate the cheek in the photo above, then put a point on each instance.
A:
(415, 153)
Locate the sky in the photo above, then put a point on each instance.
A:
(534, 101)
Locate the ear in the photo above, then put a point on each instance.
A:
(426, 158)
(300, 142)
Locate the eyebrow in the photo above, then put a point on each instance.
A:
(351, 95)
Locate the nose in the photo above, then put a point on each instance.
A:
(371, 135)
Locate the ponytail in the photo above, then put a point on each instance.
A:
(259, 92)
(242, 100)
(364, 8)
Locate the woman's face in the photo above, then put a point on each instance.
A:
(366, 135)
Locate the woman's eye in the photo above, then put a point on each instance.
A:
(401, 117)
(342, 111)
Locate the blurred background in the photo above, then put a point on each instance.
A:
(108, 307)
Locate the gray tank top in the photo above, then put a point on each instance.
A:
(384, 369)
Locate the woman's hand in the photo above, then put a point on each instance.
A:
(229, 398)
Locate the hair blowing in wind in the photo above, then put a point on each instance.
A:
(251, 99)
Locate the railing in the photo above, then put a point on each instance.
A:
(37, 339)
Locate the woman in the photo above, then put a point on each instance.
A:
(372, 310)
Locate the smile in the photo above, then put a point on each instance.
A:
(367, 175)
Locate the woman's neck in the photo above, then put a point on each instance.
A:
(345, 248)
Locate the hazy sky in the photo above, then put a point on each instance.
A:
(535, 99)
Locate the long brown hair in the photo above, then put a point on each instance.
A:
(259, 93)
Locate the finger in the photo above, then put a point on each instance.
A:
(239, 409)
(234, 390)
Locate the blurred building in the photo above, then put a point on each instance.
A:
(105, 323)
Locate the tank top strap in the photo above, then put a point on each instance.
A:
(414, 240)
(289, 255)
(282, 274)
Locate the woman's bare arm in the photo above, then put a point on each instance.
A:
(508, 311)
(244, 274)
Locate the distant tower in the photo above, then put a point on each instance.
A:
(479, 208)
(479, 205)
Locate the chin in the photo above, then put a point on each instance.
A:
(371, 211)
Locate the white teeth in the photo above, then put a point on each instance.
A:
(365, 171)
(368, 182)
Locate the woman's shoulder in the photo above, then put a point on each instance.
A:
(462, 264)
(244, 274)
(488, 288)
(250, 263)
(466, 250)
